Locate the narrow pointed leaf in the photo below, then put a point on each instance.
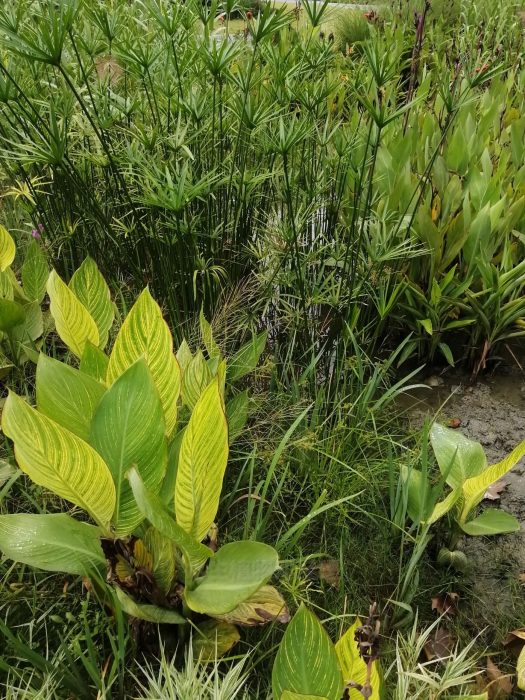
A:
(306, 662)
(237, 415)
(444, 506)
(128, 430)
(236, 571)
(7, 249)
(196, 378)
(73, 321)
(91, 289)
(53, 542)
(491, 522)
(184, 356)
(211, 346)
(144, 333)
(66, 395)
(57, 459)
(158, 515)
(202, 462)
(246, 359)
(150, 613)
(35, 273)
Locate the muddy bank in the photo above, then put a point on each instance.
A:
(493, 413)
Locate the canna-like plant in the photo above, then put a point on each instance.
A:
(308, 665)
(138, 439)
(21, 317)
(464, 468)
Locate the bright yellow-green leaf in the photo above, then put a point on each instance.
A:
(57, 459)
(458, 457)
(213, 639)
(73, 322)
(443, 507)
(7, 249)
(207, 337)
(520, 669)
(475, 488)
(144, 333)
(265, 605)
(306, 662)
(289, 695)
(352, 665)
(202, 462)
(184, 356)
(91, 289)
(195, 379)
(128, 430)
(94, 362)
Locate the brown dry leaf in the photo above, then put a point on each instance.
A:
(107, 67)
(454, 423)
(515, 640)
(521, 578)
(494, 490)
(447, 604)
(500, 685)
(439, 646)
(329, 572)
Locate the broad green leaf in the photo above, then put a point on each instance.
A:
(167, 491)
(458, 457)
(73, 321)
(213, 639)
(144, 333)
(195, 379)
(66, 395)
(31, 327)
(159, 516)
(520, 669)
(202, 462)
(184, 356)
(91, 289)
(150, 613)
(7, 249)
(353, 667)
(207, 337)
(94, 362)
(53, 542)
(491, 522)
(234, 574)
(6, 285)
(128, 430)
(237, 415)
(418, 501)
(163, 555)
(306, 662)
(246, 359)
(35, 273)
(265, 605)
(11, 314)
(475, 487)
(57, 459)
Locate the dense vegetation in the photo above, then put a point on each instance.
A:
(232, 235)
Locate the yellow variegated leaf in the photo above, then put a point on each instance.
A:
(73, 321)
(59, 460)
(265, 605)
(213, 639)
(520, 669)
(196, 378)
(202, 463)
(144, 333)
(207, 337)
(443, 507)
(475, 487)
(353, 667)
(306, 662)
(7, 249)
(184, 356)
(92, 291)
